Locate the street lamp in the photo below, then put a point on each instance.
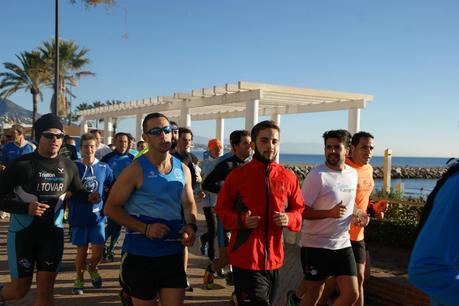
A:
(56, 60)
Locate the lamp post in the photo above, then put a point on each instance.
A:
(56, 60)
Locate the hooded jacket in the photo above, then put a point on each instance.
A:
(261, 189)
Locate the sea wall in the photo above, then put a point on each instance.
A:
(397, 172)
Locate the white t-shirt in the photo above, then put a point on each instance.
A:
(323, 188)
(102, 150)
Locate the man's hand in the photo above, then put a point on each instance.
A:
(249, 220)
(188, 236)
(94, 197)
(337, 211)
(156, 230)
(360, 218)
(280, 219)
(37, 208)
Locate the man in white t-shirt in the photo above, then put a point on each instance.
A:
(329, 194)
(101, 149)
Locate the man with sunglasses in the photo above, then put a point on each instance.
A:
(33, 188)
(153, 198)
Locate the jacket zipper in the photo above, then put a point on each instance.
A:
(266, 215)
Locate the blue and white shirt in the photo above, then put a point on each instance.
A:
(158, 200)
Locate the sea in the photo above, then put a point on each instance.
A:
(414, 188)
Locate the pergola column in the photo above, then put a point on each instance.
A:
(108, 128)
(251, 114)
(138, 126)
(220, 129)
(83, 126)
(353, 118)
(185, 118)
(276, 118)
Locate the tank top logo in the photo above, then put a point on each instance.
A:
(152, 174)
(178, 174)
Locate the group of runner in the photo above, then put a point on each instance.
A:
(248, 200)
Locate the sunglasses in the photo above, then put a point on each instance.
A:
(156, 131)
(50, 135)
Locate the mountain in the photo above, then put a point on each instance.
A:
(11, 113)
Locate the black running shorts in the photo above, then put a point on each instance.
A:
(142, 277)
(318, 264)
(359, 249)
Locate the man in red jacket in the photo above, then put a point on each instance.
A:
(252, 205)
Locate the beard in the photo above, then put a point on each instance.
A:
(333, 159)
(261, 158)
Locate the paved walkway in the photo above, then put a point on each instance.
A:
(290, 276)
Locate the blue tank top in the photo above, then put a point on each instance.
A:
(158, 200)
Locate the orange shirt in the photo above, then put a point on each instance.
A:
(365, 187)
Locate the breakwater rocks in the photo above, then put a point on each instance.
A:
(397, 172)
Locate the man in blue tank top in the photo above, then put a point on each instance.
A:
(153, 198)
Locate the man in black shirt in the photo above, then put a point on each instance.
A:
(240, 146)
(33, 189)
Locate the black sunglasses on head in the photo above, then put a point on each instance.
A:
(156, 131)
(50, 135)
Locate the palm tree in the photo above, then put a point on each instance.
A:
(31, 75)
(72, 61)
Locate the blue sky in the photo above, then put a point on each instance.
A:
(404, 53)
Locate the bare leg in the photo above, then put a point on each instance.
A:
(348, 290)
(80, 261)
(330, 287)
(360, 279)
(17, 289)
(139, 302)
(313, 292)
(45, 288)
(171, 296)
(96, 256)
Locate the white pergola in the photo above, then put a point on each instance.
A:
(242, 100)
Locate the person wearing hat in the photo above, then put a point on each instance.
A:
(215, 150)
(33, 188)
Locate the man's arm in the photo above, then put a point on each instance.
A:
(216, 176)
(295, 207)
(189, 209)
(129, 180)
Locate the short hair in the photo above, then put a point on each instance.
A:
(236, 136)
(95, 132)
(140, 142)
(342, 135)
(152, 116)
(173, 123)
(185, 130)
(267, 124)
(67, 138)
(356, 138)
(86, 137)
(121, 134)
(18, 128)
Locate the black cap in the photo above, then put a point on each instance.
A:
(46, 122)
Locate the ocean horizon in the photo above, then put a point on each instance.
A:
(411, 187)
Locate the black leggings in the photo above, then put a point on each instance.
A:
(211, 221)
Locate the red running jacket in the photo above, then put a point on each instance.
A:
(262, 189)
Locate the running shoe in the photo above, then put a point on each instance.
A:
(229, 278)
(77, 287)
(292, 300)
(96, 280)
(209, 278)
(188, 286)
(125, 298)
